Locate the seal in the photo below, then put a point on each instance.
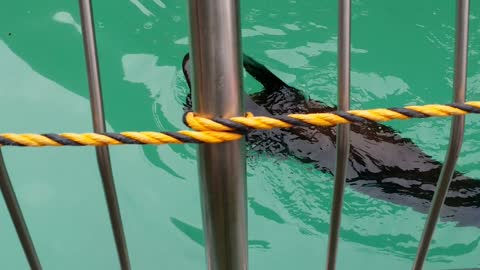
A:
(382, 164)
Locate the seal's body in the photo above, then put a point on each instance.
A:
(382, 164)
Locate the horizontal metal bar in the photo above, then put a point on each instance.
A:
(103, 156)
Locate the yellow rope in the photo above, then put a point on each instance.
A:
(222, 130)
(335, 118)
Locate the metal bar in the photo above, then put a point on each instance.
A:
(103, 156)
(456, 133)
(215, 47)
(343, 131)
(17, 217)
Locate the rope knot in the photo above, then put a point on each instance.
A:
(200, 123)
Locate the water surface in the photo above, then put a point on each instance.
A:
(402, 54)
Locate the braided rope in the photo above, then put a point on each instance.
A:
(238, 124)
(218, 130)
(101, 139)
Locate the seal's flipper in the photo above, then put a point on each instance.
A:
(250, 105)
(187, 68)
(270, 82)
(262, 74)
(257, 70)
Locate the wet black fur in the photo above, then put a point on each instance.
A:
(382, 164)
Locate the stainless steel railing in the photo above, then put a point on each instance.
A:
(217, 89)
(456, 136)
(103, 155)
(216, 57)
(17, 217)
(456, 133)
(343, 131)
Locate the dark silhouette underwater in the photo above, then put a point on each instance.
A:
(382, 164)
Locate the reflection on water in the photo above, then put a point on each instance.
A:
(65, 17)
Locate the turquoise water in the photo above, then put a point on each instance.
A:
(402, 54)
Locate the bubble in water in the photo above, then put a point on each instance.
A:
(148, 25)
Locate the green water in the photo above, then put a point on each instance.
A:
(402, 54)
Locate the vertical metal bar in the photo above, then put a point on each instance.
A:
(17, 217)
(456, 133)
(103, 156)
(215, 47)
(343, 131)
